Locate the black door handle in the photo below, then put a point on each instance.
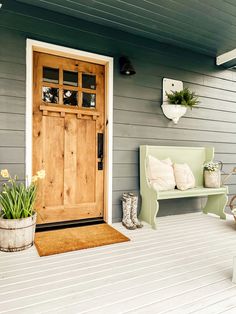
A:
(100, 144)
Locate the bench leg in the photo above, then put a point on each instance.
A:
(234, 270)
(149, 210)
(216, 205)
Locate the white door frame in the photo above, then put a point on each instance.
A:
(34, 45)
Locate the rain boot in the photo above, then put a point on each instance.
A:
(126, 206)
(134, 210)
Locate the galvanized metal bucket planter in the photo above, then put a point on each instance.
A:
(17, 234)
(212, 179)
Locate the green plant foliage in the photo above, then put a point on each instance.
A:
(184, 98)
(16, 199)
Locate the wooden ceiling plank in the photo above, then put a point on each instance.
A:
(120, 22)
(117, 22)
(206, 26)
(157, 20)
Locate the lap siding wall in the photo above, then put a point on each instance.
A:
(138, 118)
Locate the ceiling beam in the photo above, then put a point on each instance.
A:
(227, 59)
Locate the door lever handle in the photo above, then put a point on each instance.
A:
(100, 151)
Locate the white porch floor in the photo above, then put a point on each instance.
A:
(183, 267)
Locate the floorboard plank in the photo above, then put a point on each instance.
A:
(201, 302)
(183, 267)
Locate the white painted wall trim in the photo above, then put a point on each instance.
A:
(226, 57)
(33, 45)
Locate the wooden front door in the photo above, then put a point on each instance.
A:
(68, 137)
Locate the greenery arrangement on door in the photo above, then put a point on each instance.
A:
(17, 212)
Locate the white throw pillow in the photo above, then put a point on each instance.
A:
(184, 177)
(160, 173)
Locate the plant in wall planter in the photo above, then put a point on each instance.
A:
(178, 103)
(17, 214)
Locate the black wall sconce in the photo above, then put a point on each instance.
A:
(126, 67)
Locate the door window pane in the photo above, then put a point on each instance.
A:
(89, 81)
(70, 97)
(70, 78)
(50, 94)
(89, 100)
(50, 75)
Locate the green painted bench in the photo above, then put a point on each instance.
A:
(195, 157)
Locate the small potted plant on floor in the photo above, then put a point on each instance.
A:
(17, 213)
(178, 103)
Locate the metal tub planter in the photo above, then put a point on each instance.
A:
(17, 212)
(17, 234)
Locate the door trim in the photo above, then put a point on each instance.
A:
(34, 45)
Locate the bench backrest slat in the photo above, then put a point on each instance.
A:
(195, 157)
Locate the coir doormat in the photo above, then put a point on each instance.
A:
(78, 238)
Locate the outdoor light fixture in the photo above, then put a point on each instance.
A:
(126, 67)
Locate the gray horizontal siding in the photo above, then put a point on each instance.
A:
(11, 104)
(12, 155)
(12, 87)
(14, 168)
(12, 121)
(143, 131)
(12, 138)
(12, 70)
(138, 117)
(196, 123)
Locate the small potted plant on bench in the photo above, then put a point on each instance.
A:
(212, 174)
(178, 103)
(17, 213)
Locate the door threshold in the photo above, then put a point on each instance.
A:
(68, 224)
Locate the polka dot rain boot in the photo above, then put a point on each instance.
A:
(126, 206)
(134, 209)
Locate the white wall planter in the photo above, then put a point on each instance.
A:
(173, 112)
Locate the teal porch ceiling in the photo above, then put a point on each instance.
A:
(205, 26)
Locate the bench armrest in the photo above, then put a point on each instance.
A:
(145, 186)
